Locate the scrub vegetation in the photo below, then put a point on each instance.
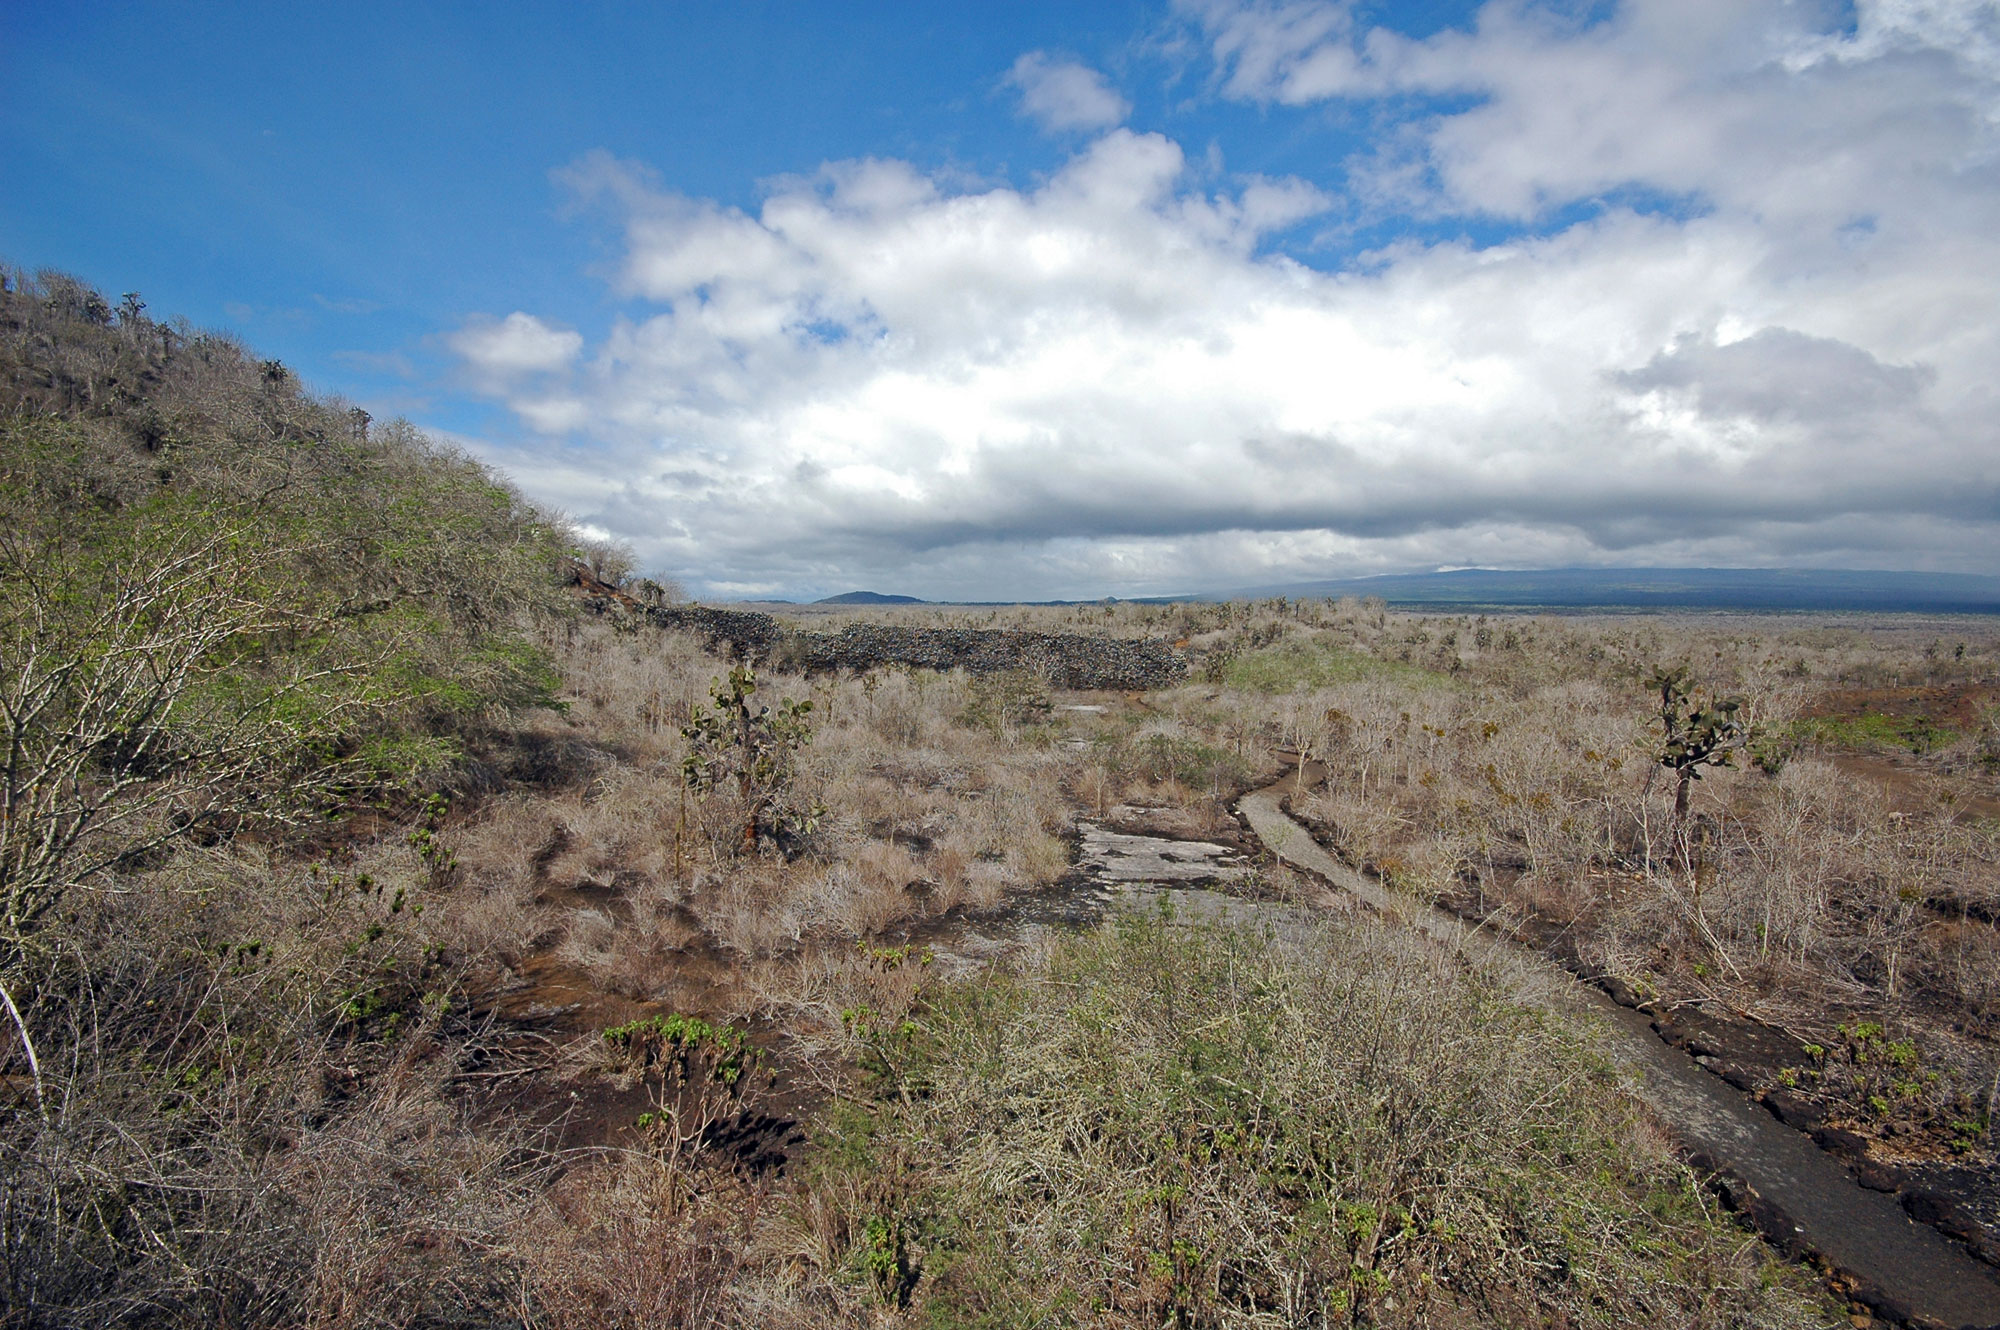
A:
(1161, 1125)
(396, 937)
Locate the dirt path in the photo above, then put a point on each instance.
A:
(1800, 1197)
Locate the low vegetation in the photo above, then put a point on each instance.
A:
(392, 942)
(1163, 1125)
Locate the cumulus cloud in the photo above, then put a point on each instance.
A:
(1064, 95)
(517, 344)
(1734, 103)
(1119, 380)
(1776, 374)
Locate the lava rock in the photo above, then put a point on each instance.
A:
(1736, 1074)
(1619, 991)
(1941, 1213)
(1839, 1141)
(1065, 660)
(1794, 1110)
(749, 635)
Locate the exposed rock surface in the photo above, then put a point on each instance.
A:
(1065, 660)
(1117, 857)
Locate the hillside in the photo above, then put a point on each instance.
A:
(867, 598)
(240, 626)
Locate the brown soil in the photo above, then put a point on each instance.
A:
(1960, 706)
(1911, 785)
(1908, 777)
(547, 1005)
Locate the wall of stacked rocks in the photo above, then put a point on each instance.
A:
(1066, 660)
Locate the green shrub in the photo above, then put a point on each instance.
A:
(1187, 760)
(226, 603)
(1000, 703)
(1874, 732)
(1298, 664)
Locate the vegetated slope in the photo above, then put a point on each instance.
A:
(387, 568)
(228, 612)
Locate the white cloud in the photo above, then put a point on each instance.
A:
(1111, 381)
(1282, 50)
(517, 344)
(1064, 95)
(1757, 104)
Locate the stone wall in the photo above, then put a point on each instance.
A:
(1066, 660)
(738, 632)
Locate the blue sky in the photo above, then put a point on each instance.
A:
(1036, 300)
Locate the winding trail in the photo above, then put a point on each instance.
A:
(1796, 1193)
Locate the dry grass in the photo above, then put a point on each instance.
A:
(1190, 1127)
(1508, 765)
(635, 1242)
(624, 871)
(266, 1097)
(247, 1115)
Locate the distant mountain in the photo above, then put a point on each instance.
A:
(869, 598)
(1661, 588)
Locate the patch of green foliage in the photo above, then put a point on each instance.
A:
(1874, 732)
(1003, 702)
(1869, 1073)
(1186, 759)
(676, 1037)
(223, 601)
(756, 751)
(1302, 663)
(1197, 1127)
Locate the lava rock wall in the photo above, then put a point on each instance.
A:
(1066, 660)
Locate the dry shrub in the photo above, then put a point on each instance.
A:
(842, 902)
(885, 865)
(1961, 957)
(1364, 830)
(403, 1203)
(1188, 1126)
(616, 867)
(1428, 867)
(496, 910)
(828, 1000)
(246, 1119)
(635, 1242)
(1538, 759)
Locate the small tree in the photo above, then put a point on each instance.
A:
(1695, 733)
(754, 750)
(655, 591)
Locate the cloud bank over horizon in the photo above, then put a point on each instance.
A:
(1699, 282)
